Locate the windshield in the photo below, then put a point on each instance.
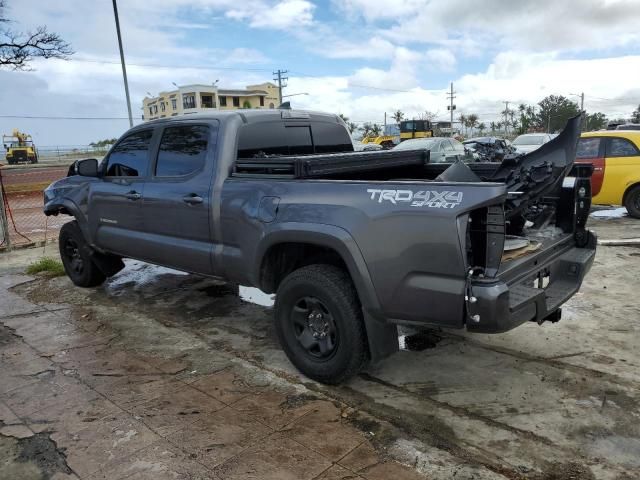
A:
(529, 140)
(416, 145)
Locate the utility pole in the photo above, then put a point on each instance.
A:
(583, 117)
(124, 68)
(451, 107)
(506, 116)
(282, 81)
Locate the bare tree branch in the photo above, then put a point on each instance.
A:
(18, 49)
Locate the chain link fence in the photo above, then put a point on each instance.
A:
(22, 221)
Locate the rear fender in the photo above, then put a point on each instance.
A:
(382, 336)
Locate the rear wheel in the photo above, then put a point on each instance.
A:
(632, 202)
(319, 323)
(76, 258)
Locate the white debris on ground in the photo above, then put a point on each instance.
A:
(254, 295)
(610, 213)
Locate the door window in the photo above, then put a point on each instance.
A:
(183, 150)
(621, 147)
(330, 138)
(130, 157)
(588, 147)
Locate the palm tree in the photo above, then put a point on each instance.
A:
(376, 130)
(352, 126)
(344, 118)
(366, 129)
(498, 126)
(482, 127)
(463, 121)
(493, 126)
(398, 116)
(473, 121)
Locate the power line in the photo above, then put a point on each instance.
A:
(49, 117)
(152, 65)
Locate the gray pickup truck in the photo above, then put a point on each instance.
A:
(352, 243)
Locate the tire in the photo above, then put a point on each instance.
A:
(632, 202)
(330, 348)
(76, 257)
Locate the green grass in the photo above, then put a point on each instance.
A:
(46, 264)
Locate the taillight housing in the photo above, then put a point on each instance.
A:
(485, 239)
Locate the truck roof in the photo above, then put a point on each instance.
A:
(251, 116)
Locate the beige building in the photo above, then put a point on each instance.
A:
(197, 98)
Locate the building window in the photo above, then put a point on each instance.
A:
(162, 106)
(189, 101)
(174, 103)
(150, 110)
(207, 101)
(236, 101)
(155, 109)
(262, 101)
(223, 101)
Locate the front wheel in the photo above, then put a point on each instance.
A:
(632, 202)
(319, 323)
(75, 255)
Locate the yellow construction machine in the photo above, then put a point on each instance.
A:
(20, 148)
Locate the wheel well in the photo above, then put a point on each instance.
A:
(282, 259)
(626, 192)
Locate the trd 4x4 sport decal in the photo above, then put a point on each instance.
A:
(422, 198)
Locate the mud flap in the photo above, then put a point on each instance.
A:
(109, 265)
(382, 337)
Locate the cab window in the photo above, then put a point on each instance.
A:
(588, 147)
(621, 147)
(183, 150)
(130, 157)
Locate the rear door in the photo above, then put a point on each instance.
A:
(591, 150)
(177, 199)
(115, 219)
(622, 159)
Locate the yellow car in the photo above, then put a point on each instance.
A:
(615, 155)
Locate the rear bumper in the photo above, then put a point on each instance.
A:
(502, 304)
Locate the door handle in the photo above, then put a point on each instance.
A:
(133, 195)
(192, 199)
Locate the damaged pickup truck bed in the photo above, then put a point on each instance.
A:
(352, 243)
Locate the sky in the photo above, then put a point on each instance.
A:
(361, 58)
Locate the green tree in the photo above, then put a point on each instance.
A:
(366, 129)
(492, 125)
(352, 126)
(472, 121)
(595, 121)
(482, 127)
(462, 118)
(553, 113)
(376, 130)
(246, 104)
(635, 116)
(344, 118)
(17, 49)
(398, 116)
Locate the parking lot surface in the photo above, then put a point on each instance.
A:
(159, 374)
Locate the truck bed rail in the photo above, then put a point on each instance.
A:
(322, 166)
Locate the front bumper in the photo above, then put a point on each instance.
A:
(512, 299)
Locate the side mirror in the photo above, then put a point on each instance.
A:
(87, 168)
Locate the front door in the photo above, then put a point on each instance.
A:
(177, 198)
(115, 219)
(621, 157)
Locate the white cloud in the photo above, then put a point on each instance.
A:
(441, 58)
(281, 15)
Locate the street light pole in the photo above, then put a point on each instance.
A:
(124, 68)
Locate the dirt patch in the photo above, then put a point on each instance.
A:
(296, 401)
(7, 335)
(566, 471)
(36, 457)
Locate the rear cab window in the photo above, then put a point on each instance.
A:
(130, 156)
(266, 139)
